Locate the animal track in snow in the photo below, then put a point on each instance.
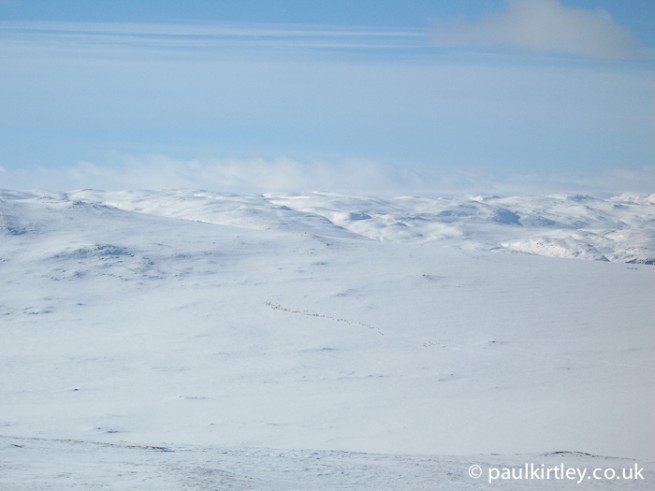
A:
(277, 306)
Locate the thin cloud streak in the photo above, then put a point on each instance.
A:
(542, 26)
(193, 36)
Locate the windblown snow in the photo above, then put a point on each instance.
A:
(198, 340)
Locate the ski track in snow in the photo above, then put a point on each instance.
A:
(206, 341)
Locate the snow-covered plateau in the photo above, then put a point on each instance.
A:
(190, 340)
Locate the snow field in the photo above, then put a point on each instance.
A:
(231, 325)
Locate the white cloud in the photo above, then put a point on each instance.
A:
(364, 177)
(544, 26)
(243, 175)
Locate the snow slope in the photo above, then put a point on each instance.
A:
(220, 327)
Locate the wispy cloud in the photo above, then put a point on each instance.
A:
(348, 176)
(246, 175)
(98, 35)
(543, 26)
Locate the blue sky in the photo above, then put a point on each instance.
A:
(328, 95)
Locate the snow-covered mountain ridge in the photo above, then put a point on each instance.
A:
(618, 229)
